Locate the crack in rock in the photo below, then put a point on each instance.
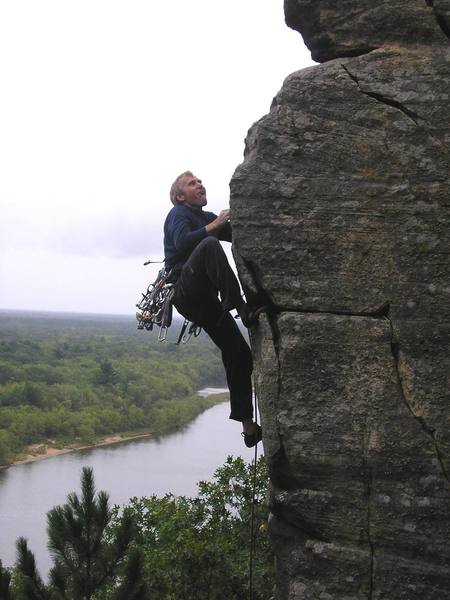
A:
(299, 526)
(430, 431)
(383, 100)
(276, 337)
(412, 116)
(376, 313)
(390, 102)
(261, 297)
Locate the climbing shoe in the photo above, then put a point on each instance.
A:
(251, 439)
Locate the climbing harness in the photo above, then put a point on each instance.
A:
(156, 308)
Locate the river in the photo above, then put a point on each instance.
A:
(172, 463)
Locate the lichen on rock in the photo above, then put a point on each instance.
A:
(341, 225)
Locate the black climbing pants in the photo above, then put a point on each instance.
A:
(206, 274)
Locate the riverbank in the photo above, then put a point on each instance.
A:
(51, 448)
(41, 451)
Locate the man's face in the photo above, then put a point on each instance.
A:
(193, 194)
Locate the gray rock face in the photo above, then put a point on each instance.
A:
(341, 213)
(333, 29)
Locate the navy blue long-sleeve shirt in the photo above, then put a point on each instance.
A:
(184, 228)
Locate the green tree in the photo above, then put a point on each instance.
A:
(32, 394)
(88, 562)
(6, 446)
(199, 547)
(5, 581)
(29, 583)
(106, 375)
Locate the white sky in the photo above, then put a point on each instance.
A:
(102, 104)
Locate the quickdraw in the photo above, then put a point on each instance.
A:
(156, 308)
(193, 330)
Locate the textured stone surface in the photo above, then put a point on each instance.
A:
(360, 499)
(353, 160)
(341, 213)
(333, 29)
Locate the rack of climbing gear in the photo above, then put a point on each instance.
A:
(156, 308)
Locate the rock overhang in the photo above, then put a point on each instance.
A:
(333, 29)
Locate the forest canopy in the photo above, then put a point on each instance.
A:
(66, 378)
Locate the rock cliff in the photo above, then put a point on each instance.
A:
(341, 213)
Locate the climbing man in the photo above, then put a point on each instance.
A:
(200, 271)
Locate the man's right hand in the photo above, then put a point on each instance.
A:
(221, 220)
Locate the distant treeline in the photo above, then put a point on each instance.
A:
(75, 378)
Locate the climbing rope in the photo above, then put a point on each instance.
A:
(252, 514)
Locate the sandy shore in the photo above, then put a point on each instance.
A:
(41, 451)
(37, 452)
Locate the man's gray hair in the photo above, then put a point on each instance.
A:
(176, 189)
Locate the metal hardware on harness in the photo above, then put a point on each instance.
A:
(194, 330)
(183, 329)
(155, 308)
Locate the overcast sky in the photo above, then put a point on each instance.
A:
(103, 103)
